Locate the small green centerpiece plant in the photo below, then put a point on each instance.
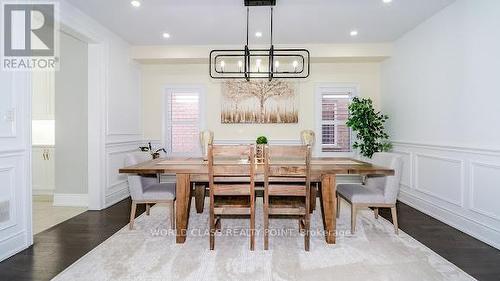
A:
(369, 127)
(261, 140)
(259, 149)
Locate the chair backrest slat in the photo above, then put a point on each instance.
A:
(230, 161)
(287, 161)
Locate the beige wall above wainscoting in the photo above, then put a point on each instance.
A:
(156, 77)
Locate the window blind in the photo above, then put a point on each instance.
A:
(183, 123)
(335, 135)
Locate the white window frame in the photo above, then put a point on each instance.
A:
(322, 88)
(166, 133)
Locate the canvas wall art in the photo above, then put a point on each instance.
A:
(259, 102)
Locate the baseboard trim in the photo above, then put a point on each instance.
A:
(71, 200)
(7, 246)
(468, 226)
(43, 191)
(117, 196)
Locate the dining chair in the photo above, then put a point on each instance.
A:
(308, 137)
(376, 191)
(287, 187)
(146, 189)
(229, 198)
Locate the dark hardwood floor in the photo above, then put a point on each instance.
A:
(60, 246)
(471, 255)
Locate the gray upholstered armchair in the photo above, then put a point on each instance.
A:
(147, 189)
(376, 192)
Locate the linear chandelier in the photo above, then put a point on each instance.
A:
(259, 63)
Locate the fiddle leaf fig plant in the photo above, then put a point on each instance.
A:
(369, 127)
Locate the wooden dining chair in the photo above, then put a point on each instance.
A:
(229, 198)
(287, 187)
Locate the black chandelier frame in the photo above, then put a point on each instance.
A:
(272, 53)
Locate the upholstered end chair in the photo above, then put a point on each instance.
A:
(146, 189)
(376, 192)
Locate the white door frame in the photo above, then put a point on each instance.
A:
(96, 114)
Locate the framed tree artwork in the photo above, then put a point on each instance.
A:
(259, 102)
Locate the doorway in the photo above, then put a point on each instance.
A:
(60, 138)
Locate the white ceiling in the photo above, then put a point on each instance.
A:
(214, 22)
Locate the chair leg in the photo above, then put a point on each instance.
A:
(307, 237)
(212, 229)
(314, 192)
(148, 207)
(172, 214)
(353, 218)
(132, 215)
(338, 205)
(199, 196)
(266, 226)
(395, 219)
(252, 228)
(375, 212)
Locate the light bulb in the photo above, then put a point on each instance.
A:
(240, 65)
(135, 3)
(277, 64)
(222, 65)
(257, 63)
(295, 64)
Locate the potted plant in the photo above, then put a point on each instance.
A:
(369, 127)
(154, 153)
(259, 149)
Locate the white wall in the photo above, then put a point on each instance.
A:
(71, 116)
(156, 77)
(441, 91)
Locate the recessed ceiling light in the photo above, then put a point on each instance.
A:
(354, 33)
(387, 1)
(258, 34)
(135, 3)
(166, 35)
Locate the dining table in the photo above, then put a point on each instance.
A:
(189, 170)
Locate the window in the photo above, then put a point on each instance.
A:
(332, 106)
(183, 116)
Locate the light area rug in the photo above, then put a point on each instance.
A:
(149, 252)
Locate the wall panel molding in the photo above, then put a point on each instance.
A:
(460, 175)
(450, 148)
(473, 188)
(10, 172)
(468, 178)
(116, 183)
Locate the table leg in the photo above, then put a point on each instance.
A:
(199, 196)
(329, 207)
(182, 206)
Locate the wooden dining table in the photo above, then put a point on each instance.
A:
(190, 170)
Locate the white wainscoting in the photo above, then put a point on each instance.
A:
(116, 183)
(15, 163)
(457, 185)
